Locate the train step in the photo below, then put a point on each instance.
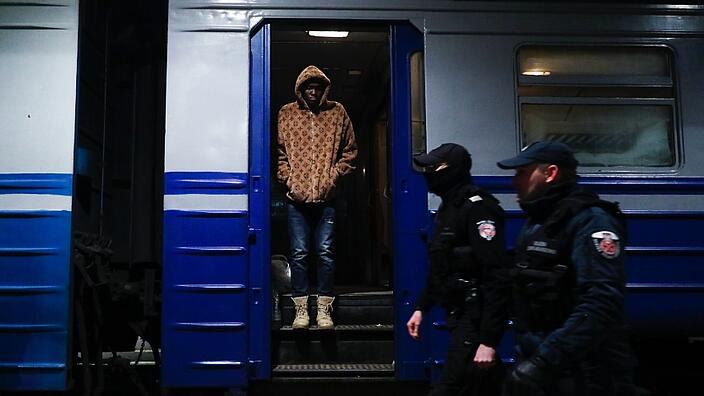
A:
(363, 334)
(346, 328)
(327, 370)
(366, 308)
(348, 344)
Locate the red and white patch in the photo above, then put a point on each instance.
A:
(487, 229)
(607, 244)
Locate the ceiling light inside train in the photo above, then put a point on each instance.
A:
(536, 73)
(328, 33)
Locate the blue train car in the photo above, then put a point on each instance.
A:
(136, 188)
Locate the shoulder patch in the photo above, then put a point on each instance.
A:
(607, 244)
(475, 198)
(486, 229)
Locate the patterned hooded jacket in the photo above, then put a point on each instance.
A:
(314, 150)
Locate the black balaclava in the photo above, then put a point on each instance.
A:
(442, 181)
(459, 163)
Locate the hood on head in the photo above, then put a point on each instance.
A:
(312, 72)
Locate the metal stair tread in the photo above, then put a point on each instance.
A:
(385, 378)
(356, 327)
(335, 368)
(376, 298)
(387, 293)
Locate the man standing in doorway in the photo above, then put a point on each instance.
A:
(316, 146)
(568, 283)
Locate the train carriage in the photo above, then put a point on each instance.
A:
(148, 129)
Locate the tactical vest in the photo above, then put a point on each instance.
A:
(449, 251)
(544, 277)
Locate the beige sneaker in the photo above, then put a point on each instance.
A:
(301, 320)
(324, 311)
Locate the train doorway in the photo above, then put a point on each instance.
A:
(367, 309)
(358, 68)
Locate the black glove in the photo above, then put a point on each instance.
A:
(528, 378)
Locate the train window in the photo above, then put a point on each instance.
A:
(604, 135)
(417, 104)
(614, 106)
(644, 65)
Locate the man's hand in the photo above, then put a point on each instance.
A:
(485, 356)
(413, 324)
(528, 377)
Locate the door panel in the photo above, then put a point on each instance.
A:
(409, 209)
(260, 260)
(205, 296)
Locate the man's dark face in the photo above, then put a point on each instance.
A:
(312, 93)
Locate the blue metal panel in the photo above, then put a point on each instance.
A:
(34, 295)
(38, 53)
(408, 197)
(617, 184)
(665, 289)
(205, 325)
(36, 183)
(260, 261)
(205, 183)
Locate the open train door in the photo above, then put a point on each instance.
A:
(216, 299)
(38, 64)
(259, 204)
(214, 302)
(409, 197)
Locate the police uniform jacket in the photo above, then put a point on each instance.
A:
(569, 280)
(467, 260)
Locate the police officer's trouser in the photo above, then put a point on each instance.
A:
(592, 377)
(459, 374)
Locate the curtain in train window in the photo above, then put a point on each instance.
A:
(614, 106)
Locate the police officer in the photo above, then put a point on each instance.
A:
(568, 282)
(466, 255)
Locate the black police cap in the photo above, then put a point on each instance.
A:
(450, 153)
(545, 151)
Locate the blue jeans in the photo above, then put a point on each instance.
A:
(316, 220)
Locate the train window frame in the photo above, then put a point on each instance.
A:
(417, 97)
(612, 90)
